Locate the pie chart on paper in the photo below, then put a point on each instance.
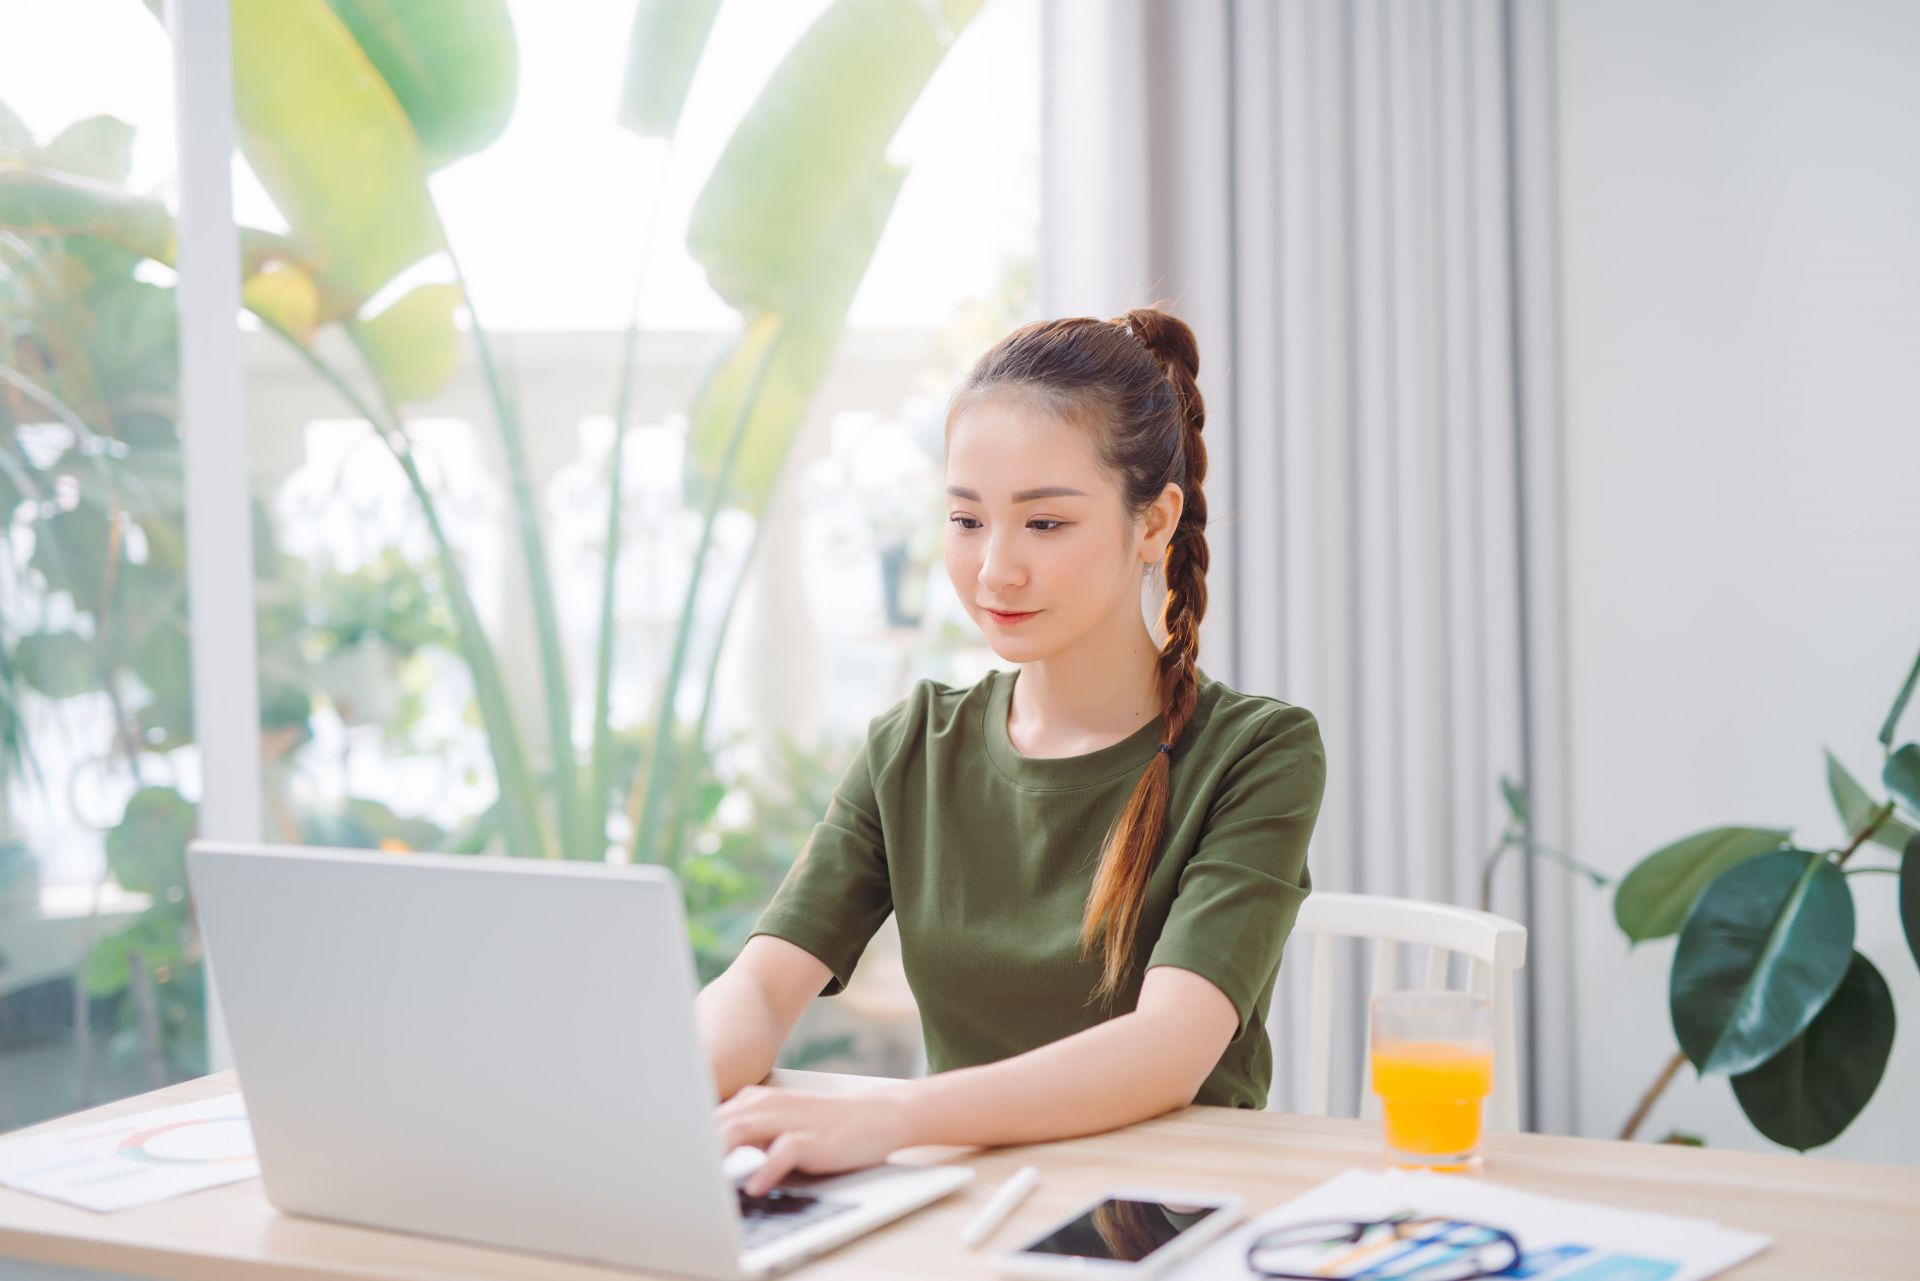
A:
(124, 1161)
(214, 1140)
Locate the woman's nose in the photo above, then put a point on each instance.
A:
(999, 569)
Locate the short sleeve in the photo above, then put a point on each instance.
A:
(837, 892)
(1241, 890)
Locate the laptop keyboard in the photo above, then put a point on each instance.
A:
(764, 1219)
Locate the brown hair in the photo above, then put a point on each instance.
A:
(1131, 380)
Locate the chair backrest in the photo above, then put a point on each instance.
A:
(1494, 946)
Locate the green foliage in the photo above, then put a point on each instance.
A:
(389, 599)
(1654, 899)
(663, 51)
(1811, 1090)
(343, 108)
(1766, 986)
(1762, 951)
(1856, 808)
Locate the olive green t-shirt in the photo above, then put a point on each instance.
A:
(987, 856)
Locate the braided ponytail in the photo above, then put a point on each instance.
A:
(1112, 917)
(1132, 380)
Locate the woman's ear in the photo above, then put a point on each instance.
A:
(1162, 517)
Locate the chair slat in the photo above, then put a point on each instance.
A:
(1437, 958)
(1320, 1029)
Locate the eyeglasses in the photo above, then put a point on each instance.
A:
(1404, 1248)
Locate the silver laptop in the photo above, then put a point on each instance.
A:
(501, 1051)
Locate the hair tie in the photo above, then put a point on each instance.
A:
(1167, 748)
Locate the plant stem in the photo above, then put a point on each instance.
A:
(1653, 1093)
(1869, 871)
(662, 747)
(677, 831)
(518, 796)
(533, 550)
(1861, 837)
(1513, 840)
(600, 761)
(1493, 863)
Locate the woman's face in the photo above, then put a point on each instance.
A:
(1039, 545)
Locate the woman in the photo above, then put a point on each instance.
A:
(1094, 860)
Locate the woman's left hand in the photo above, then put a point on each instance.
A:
(812, 1133)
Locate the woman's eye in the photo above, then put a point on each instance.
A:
(1045, 526)
(965, 522)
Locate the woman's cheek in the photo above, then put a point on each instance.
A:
(960, 571)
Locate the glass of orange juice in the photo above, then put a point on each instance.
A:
(1432, 1066)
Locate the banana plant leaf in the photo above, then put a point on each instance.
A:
(1761, 953)
(15, 137)
(1654, 899)
(789, 218)
(663, 51)
(412, 346)
(99, 147)
(332, 145)
(1809, 1092)
(453, 66)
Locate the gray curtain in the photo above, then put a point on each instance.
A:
(1352, 204)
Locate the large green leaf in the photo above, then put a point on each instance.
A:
(1654, 899)
(806, 340)
(1760, 954)
(1902, 776)
(37, 201)
(15, 137)
(99, 147)
(412, 346)
(452, 64)
(332, 145)
(71, 548)
(1910, 896)
(1857, 807)
(1809, 1092)
(58, 664)
(41, 202)
(148, 850)
(805, 158)
(663, 51)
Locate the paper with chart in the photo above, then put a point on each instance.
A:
(132, 1160)
(1559, 1240)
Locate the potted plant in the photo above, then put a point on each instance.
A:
(1766, 987)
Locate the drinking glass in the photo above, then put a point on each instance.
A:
(1432, 1066)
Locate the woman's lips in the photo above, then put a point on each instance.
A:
(1008, 620)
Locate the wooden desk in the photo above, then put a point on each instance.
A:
(1828, 1219)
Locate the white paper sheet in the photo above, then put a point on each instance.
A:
(1560, 1240)
(134, 1160)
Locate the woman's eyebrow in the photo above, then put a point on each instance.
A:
(1025, 495)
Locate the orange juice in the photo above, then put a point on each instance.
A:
(1431, 1093)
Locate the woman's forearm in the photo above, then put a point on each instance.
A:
(1107, 1076)
(740, 1028)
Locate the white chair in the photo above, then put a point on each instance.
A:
(1494, 946)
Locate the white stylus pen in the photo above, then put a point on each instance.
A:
(999, 1206)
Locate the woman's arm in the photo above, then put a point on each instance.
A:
(746, 1014)
(1126, 1069)
(1139, 1065)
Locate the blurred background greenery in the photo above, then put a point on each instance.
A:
(452, 656)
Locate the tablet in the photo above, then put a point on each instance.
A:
(1127, 1233)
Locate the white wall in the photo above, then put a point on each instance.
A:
(1741, 195)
